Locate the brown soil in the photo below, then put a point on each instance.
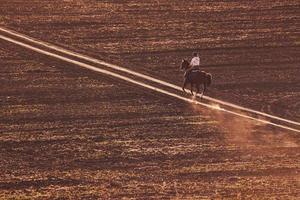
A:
(69, 133)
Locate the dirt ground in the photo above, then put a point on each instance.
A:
(66, 133)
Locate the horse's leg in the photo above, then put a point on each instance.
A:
(204, 89)
(192, 89)
(197, 86)
(184, 84)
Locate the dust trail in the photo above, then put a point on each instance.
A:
(245, 132)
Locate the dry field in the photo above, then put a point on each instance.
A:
(67, 133)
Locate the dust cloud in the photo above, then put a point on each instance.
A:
(245, 132)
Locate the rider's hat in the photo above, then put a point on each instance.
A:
(195, 54)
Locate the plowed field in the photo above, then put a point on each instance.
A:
(68, 133)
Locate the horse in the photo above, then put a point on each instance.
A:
(195, 77)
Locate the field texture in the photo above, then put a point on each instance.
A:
(66, 133)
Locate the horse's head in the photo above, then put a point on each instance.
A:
(184, 65)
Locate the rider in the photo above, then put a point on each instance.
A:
(195, 62)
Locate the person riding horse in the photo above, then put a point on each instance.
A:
(194, 76)
(194, 65)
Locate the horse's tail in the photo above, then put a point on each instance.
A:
(208, 79)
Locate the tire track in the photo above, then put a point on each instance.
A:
(61, 54)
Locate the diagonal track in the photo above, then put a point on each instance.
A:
(97, 61)
(64, 55)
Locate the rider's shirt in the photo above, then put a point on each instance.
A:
(195, 62)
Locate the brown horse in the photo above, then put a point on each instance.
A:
(195, 77)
